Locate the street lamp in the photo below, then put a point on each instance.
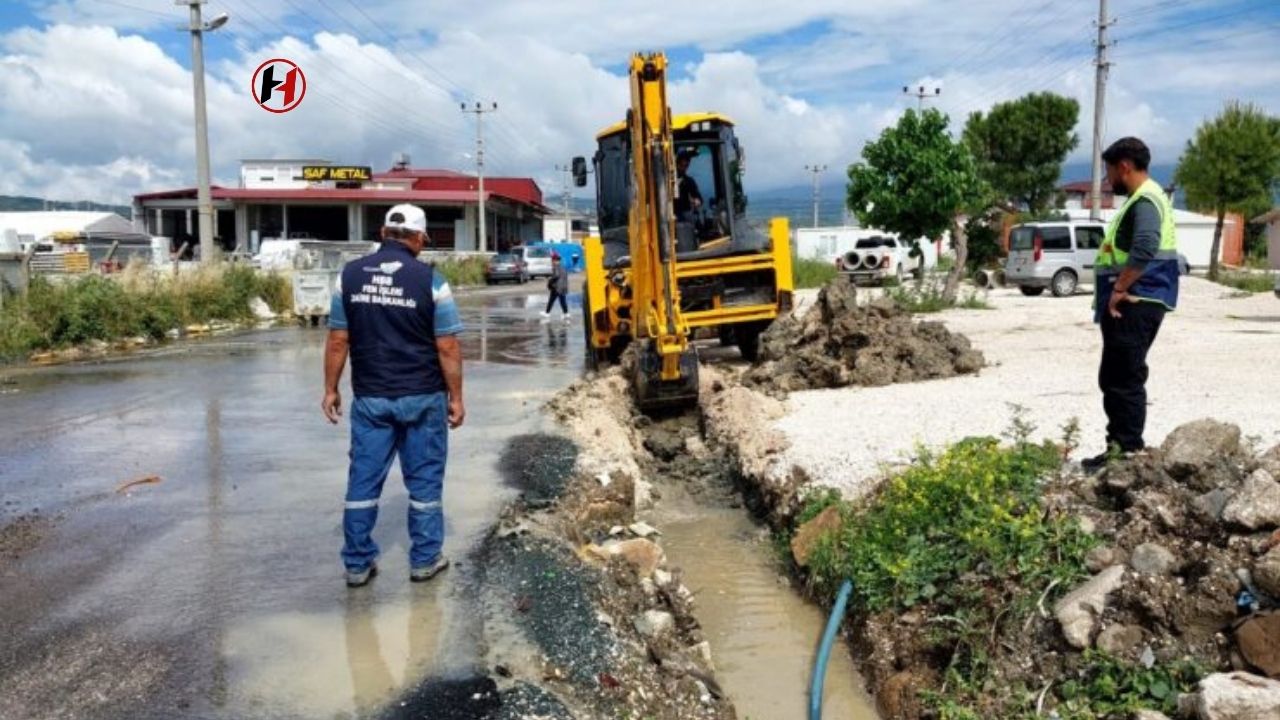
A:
(204, 203)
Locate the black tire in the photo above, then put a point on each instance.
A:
(592, 360)
(748, 338)
(1064, 283)
(1030, 291)
(726, 335)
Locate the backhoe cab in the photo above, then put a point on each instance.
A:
(675, 251)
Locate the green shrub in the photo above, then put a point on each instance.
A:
(812, 273)
(67, 312)
(462, 271)
(976, 505)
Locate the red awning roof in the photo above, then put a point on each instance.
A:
(339, 195)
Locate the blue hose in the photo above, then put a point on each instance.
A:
(824, 650)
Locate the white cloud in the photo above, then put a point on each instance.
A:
(118, 107)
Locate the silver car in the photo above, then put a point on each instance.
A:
(1057, 255)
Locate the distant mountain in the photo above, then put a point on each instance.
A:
(20, 203)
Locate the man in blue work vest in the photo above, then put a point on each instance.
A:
(1137, 283)
(396, 319)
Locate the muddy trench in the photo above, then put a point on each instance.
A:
(762, 631)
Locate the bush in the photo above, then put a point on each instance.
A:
(812, 273)
(462, 271)
(975, 507)
(136, 303)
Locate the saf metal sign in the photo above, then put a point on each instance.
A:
(337, 173)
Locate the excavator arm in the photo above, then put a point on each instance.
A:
(667, 367)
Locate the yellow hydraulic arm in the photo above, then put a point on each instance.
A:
(656, 296)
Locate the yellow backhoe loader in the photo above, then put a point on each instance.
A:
(675, 251)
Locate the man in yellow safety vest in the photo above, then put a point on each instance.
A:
(1137, 283)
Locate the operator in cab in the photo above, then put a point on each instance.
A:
(688, 196)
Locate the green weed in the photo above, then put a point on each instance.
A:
(812, 273)
(1251, 282)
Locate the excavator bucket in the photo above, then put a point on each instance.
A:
(655, 394)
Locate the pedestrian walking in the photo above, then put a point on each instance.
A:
(1137, 283)
(557, 289)
(396, 319)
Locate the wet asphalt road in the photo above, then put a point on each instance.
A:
(217, 592)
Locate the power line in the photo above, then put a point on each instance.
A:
(1153, 30)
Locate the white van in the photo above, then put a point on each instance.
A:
(537, 260)
(1058, 255)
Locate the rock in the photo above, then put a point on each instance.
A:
(1270, 461)
(1257, 505)
(1152, 559)
(1079, 611)
(702, 653)
(1266, 573)
(654, 623)
(1101, 558)
(260, 309)
(1087, 524)
(1149, 715)
(1237, 696)
(695, 446)
(662, 578)
(1159, 506)
(642, 495)
(808, 534)
(641, 529)
(1258, 640)
(898, 696)
(643, 555)
(1120, 640)
(1211, 504)
(1194, 446)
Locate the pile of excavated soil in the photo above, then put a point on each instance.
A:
(839, 342)
(1187, 566)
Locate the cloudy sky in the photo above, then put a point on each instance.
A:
(97, 93)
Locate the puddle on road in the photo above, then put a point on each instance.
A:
(763, 635)
(326, 664)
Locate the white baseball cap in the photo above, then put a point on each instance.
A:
(409, 217)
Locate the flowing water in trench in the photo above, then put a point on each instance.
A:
(763, 635)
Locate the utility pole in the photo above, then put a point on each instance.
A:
(1099, 102)
(921, 94)
(817, 171)
(204, 202)
(568, 223)
(479, 110)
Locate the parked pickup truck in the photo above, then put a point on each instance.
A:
(876, 259)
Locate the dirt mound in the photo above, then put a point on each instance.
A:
(839, 343)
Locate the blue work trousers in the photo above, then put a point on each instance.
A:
(415, 427)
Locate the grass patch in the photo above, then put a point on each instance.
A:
(137, 303)
(462, 271)
(812, 273)
(1251, 282)
(1108, 687)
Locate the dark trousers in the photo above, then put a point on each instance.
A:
(564, 305)
(1123, 374)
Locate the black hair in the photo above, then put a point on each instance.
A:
(1131, 149)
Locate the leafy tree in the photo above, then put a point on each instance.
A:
(1020, 145)
(915, 181)
(1232, 165)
